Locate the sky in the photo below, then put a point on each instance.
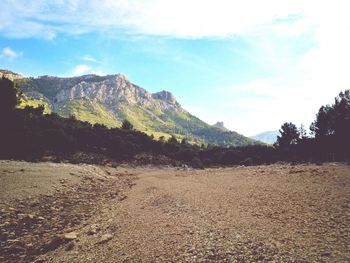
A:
(252, 64)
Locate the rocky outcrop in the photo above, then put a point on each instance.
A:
(166, 96)
(220, 125)
(10, 75)
(113, 98)
(108, 90)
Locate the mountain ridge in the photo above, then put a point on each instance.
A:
(269, 137)
(112, 98)
(220, 125)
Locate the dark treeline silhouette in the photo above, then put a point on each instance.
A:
(330, 130)
(29, 134)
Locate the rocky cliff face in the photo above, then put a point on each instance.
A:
(220, 125)
(10, 75)
(111, 99)
(166, 96)
(109, 90)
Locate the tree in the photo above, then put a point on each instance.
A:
(172, 139)
(323, 126)
(341, 115)
(184, 141)
(8, 96)
(334, 119)
(126, 125)
(289, 135)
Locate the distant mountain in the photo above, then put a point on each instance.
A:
(110, 99)
(268, 137)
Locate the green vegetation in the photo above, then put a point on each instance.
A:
(151, 120)
(126, 125)
(8, 97)
(89, 111)
(34, 104)
(29, 134)
(180, 124)
(331, 131)
(289, 135)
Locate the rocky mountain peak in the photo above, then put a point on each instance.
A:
(109, 90)
(220, 125)
(111, 99)
(105, 89)
(10, 75)
(165, 96)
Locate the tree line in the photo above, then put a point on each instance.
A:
(28, 134)
(330, 134)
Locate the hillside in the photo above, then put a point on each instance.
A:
(268, 137)
(111, 99)
(220, 125)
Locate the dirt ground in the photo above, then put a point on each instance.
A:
(82, 213)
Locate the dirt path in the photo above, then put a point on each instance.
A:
(248, 214)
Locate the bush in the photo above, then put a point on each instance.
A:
(58, 140)
(197, 163)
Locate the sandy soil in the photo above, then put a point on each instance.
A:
(82, 213)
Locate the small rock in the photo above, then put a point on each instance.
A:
(31, 216)
(70, 246)
(41, 218)
(326, 254)
(71, 236)
(21, 216)
(12, 240)
(92, 232)
(122, 197)
(94, 228)
(105, 238)
(53, 244)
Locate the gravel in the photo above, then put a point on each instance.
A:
(275, 213)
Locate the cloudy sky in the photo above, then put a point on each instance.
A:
(252, 64)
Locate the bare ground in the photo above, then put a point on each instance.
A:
(82, 213)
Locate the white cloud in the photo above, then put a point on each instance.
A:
(292, 96)
(83, 69)
(299, 83)
(89, 58)
(175, 18)
(10, 53)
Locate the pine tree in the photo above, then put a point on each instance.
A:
(289, 135)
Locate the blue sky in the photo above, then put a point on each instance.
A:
(251, 64)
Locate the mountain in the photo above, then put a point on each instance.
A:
(220, 125)
(111, 99)
(269, 137)
(10, 75)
